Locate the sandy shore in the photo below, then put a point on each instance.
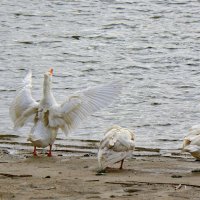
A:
(63, 177)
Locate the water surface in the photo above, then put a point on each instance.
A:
(151, 47)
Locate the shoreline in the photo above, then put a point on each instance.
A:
(15, 144)
(146, 175)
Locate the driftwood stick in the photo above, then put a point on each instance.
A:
(49, 188)
(150, 183)
(14, 175)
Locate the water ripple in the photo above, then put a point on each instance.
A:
(151, 47)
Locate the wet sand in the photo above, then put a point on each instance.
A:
(148, 175)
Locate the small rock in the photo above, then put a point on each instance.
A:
(77, 37)
(131, 190)
(101, 172)
(176, 176)
(196, 171)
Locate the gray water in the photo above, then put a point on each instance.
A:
(151, 46)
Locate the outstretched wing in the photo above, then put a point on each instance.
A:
(23, 105)
(81, 105)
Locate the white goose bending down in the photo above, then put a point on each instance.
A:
(191, 142)
(117, 144)
(48, 116)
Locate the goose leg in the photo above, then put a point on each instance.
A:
(50, 154)
(122, 161)
(34, 151)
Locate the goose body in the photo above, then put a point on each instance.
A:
(191, 142)
(48, 116)
(116, 145)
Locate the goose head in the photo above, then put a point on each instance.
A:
(47, 81)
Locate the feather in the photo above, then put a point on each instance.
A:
(117, 144)
(191, 142)
(192, 148)
(81, 105)
(23, 105)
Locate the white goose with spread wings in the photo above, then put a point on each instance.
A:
(48, 116)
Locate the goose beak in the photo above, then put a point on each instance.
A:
(51, 72)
